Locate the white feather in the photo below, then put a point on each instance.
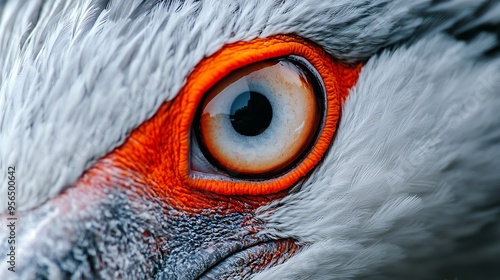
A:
(415, 158)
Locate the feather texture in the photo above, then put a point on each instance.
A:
(411, 175)
(78, 76)
(415, 159)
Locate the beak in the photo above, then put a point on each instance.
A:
(113, 224)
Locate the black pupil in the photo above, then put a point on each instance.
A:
(251, 113)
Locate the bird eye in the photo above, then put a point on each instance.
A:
(257, 115)
(261, 119)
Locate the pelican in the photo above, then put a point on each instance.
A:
(263, 139)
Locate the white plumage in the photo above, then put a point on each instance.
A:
(410, 187)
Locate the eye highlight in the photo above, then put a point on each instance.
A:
(261, 119)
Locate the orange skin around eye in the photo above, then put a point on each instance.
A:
(159, 149)
(337, 77)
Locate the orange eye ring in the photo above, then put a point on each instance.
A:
(337, 78)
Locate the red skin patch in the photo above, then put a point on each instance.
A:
(159, 149)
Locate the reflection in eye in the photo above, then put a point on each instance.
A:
(251, 113)
(261, 119)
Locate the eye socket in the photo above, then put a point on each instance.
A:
(261, 119)
(202, 165)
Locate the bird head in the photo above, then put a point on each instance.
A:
(249, 139)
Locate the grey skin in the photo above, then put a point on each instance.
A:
(116, 233)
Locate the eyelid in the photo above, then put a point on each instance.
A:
(337, 77)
